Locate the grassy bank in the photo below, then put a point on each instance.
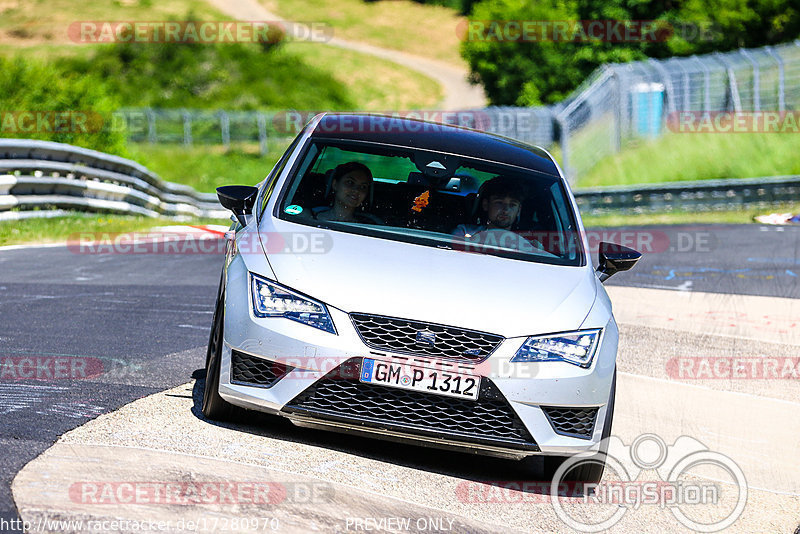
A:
(682, 157)
(208, 167)
(685, 217)
(420, 29)
(292, 75)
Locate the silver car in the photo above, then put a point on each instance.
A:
(416, 282)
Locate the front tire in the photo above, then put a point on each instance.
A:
(589, 471)
(214, 406)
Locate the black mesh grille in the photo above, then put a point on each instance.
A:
(409, 337)
(341, 396)
(249, 370)
(577, 422)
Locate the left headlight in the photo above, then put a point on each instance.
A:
(272, 300)
(577, 348)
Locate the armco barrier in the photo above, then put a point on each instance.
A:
(43, 175)
(705, 195)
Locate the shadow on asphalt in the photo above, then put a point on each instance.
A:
(469, 467)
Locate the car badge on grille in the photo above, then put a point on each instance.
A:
(426, 336)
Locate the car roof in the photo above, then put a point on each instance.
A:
(414, 133)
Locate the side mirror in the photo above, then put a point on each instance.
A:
(239, 199)
(615, 258)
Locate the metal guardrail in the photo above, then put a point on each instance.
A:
(43, 179)
(38, 176)
(704, 195)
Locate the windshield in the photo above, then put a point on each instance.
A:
(433, 199)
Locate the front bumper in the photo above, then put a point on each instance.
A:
(550, 407)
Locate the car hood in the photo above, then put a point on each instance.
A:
(475, 291)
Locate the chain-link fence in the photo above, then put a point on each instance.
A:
(623, 102)
(616, 104)
(189, 127)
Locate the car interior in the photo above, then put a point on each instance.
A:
(451, 197)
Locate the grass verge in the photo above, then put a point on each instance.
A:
(207, 167)
(687, 157)
(59, 229)
(30, 23)
(295, 75)
(684, 217)
(372, 83)
(422, 29)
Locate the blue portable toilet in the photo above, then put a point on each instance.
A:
(648, 108)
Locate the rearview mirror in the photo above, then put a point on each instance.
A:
(239, 199)
(615, 258)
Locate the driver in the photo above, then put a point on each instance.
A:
(501, 202)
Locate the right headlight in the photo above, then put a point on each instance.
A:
(577, 348)
(272, 300)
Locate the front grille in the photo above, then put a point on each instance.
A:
(414, 337)
(575, 422)
(251, 371)
(340, 396)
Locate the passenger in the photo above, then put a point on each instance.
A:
(350, 186)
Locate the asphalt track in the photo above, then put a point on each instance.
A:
(146, 318)
(731, 259)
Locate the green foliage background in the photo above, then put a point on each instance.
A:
(533, 73)
(31, 86)
(135, 74)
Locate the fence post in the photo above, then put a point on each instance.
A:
(737, 102)
(679, 63)
(262, 133)
(151, 126)
(624, 95)
(225, 129)
(187, 128)
(706, 84)
(564, 137)
(617, 103)
(781, 79)
(756, 79)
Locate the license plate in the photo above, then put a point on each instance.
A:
(436, 381)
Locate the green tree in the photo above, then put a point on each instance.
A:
(544, 72)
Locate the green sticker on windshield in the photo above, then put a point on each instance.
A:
(294, 209)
